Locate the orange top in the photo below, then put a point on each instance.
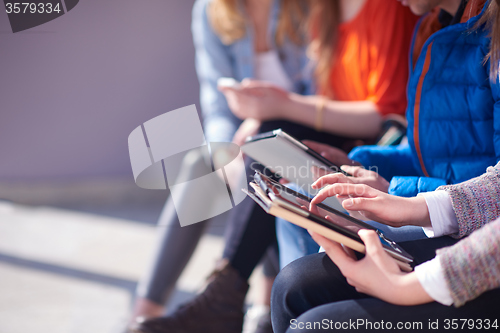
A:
(371, 61)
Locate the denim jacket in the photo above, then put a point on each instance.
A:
(215, 60)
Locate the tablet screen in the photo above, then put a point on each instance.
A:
(339, 220)
(322, 211)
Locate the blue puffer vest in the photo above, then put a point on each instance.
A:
(453, 133)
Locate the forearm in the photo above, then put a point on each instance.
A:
(417, 212)
(401, 212)
(357, 119)
(408, 291)
(400, 289)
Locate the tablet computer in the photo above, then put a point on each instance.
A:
(286, 203)
(291, 159)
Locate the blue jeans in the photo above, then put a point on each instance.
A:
(295, 242)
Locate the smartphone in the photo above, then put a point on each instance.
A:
(228, 82)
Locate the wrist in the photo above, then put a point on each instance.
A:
(410, 291)
(418, 212)
(284, 107)
(384, 184)
(296, 106)
(320, 109)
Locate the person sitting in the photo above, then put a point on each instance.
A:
(264, 42)
(453, 126)
(314, 292)
(325, 291)
(378, 69)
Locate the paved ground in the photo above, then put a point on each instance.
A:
(63, 271)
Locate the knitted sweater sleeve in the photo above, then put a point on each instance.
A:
(472, 266)
(476, 201)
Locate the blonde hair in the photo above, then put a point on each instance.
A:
(491, 19)
(323, 23)
(230, 24)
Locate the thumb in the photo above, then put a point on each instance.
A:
(377, 254)
(372, 242)
(224, 89)
(246, 82)
(355, 171)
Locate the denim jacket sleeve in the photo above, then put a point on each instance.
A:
(213, 61)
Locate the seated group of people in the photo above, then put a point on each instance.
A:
(330, 72)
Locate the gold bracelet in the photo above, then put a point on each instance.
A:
(320, 108)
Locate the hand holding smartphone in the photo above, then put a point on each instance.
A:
(227, 82)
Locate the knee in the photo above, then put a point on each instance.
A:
(286, 283)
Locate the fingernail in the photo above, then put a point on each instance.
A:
(348, 203)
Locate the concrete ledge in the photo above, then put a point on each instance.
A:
(101, 191)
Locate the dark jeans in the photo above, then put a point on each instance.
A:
(312, 291)
(251, 230)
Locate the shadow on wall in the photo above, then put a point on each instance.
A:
(72, 89)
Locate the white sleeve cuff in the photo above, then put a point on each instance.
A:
(441, 213)
(431, 276)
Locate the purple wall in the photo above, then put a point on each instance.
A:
(72, 90)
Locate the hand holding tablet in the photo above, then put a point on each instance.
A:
(283, 202)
